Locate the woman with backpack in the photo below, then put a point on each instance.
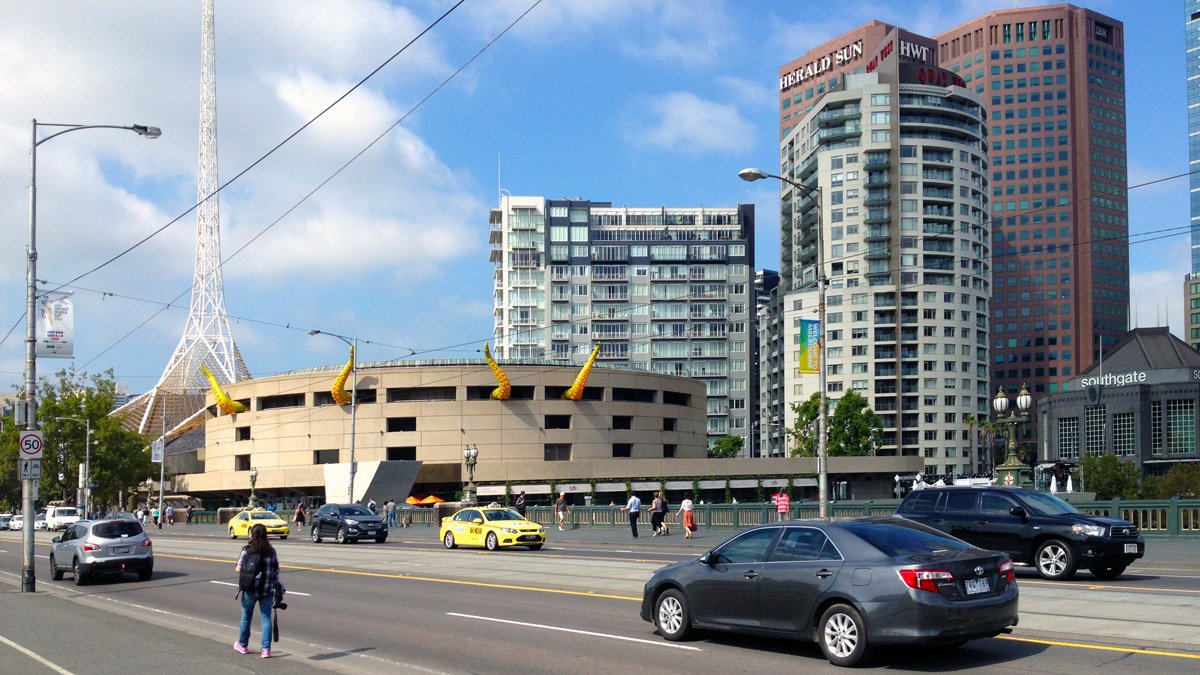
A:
(258, 582)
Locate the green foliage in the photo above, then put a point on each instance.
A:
(1111, 478)
(853, 428)
(120, 459)
(1183, 481)
(727, 447)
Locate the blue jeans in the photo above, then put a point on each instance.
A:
(264, 611)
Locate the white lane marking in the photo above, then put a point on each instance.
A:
(576, 631)
(230, 583)
(36, 657)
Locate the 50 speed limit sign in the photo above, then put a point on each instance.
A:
(31, 444)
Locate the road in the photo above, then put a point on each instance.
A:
(411, 606)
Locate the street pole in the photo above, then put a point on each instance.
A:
(353, 344)
(28, 579)
(822, 414)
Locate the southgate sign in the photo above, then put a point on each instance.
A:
(820, 65)
(1115, 379)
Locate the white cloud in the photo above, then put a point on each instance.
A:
(683, 122)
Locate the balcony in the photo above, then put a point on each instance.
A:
(838, 115)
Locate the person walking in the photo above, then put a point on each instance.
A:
(389, 507)
(520, 503)
(188, 513)
(170, 515)
(687, 514)
(298, 516)
(562, 509)
(634, 507)
(656, 514)
(154, 514)
(371, 506)
(666, 513)
(258, 583)
(783, 505)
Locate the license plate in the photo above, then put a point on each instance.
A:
(1131, 548)
(975, 586)
(120, 549)
(371, 532)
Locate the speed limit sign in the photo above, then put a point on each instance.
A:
(31, 444)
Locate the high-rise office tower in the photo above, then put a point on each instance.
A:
(890, 153)
(1053, 81)
(666, 290)
(1191, 284)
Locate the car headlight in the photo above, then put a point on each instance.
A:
(1088, 530)
(509, 530)
(350, 521)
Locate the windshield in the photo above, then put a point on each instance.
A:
(263, 516)
(1046, 504)
(356, 511)
(502, 514)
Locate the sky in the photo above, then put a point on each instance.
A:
(635, 103)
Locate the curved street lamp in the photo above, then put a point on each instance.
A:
(28, 580)
(353, 344)
(751, 175)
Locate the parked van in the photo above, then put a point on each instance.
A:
(61, 517)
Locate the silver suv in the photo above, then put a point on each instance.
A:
(94, 547)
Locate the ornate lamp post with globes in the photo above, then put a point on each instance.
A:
(1013, 472)
(470, 458)
(253, 480)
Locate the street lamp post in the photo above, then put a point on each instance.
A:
(253, 480)
(87, 463)
(470, 458)
(28, 579)
(353, 344)
(822, 415)
(1013, 471)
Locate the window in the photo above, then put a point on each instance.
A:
(401, 424)
(280, 401)
(325, 456)
(1181, 427)
(402, 454)
(622, 422)
(748, 548)
(622, 450)
(669, 423)
(241, 433)
(241, 462)
(668, 450)
(1123, 434)
(557, 452)
(558, 421)
(1094, 432)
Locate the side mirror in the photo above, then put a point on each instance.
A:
(1020, 513)
(56, 540)
(478, 521)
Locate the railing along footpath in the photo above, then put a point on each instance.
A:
(1154, 517)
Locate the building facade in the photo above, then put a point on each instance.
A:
(1053, 81)
(661, 290)
(892, 160)
(1140, 403)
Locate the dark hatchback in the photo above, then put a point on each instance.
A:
(848, 585)
(1034, 528)
(347, 523)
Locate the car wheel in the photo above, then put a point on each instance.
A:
(316, 534)
(341, 535)
(492, 542)
(448, 540)
(231, 534)
(77, 570)
(55, 573)
(535, 547)
(145, 573)
(843, 635)
(1107, 573)
(671, 615)
(380, 540)
(1055, 560)
(283, 536)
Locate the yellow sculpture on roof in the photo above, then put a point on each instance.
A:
(340, 395)
(225, 403)
(576, 391)
(502, 392)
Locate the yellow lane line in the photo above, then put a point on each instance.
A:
(1080, 645)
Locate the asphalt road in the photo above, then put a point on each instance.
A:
(411, 606)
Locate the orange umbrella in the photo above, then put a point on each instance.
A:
(431, 499)
(412, 500)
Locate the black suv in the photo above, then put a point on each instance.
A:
(347, 523)
(1035, 528)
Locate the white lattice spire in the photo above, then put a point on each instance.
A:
(177, 400)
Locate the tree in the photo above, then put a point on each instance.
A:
(119, 458)
(1112, 478)
(727, 447)
(853, 428)
(972, 422)
(1183, 481)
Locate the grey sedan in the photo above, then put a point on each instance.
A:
(849, 585)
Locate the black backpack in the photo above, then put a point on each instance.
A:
(251, 578)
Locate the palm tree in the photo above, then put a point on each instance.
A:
(990, 428)
(972, 422)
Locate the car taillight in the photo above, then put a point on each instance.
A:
(1006, 568)
(89, 546)
(925, 580)
(146, 542)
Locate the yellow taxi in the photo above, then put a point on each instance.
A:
(491, 527)
(239, 525)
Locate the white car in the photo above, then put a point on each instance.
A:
(39, 522)
(60, 517)
(17, 522)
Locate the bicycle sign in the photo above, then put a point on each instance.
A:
(31, 444)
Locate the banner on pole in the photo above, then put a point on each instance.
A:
(810, 346)
(56, 326)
